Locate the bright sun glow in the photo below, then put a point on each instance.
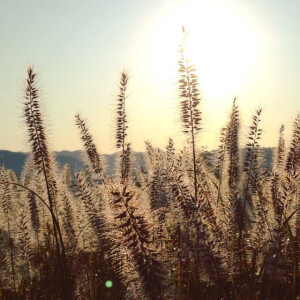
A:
(221, 43)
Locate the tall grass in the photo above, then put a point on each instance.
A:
(182, 228)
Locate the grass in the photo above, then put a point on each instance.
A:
(180, 229)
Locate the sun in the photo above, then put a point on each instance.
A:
(222, 43)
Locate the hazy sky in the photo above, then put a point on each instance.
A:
(248, 49)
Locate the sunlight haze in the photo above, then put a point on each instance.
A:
(247, 49)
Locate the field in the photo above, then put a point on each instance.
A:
(186, 227)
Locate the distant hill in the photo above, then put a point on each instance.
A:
(74, 154)
(74, 163)
(15, 160)
(12, 160)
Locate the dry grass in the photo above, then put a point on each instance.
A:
(180, 229)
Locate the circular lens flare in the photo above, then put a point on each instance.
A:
(108, 284)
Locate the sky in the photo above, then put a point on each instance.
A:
(244, 49)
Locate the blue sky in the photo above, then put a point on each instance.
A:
(79, 49)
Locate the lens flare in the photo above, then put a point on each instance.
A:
(108, 284)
